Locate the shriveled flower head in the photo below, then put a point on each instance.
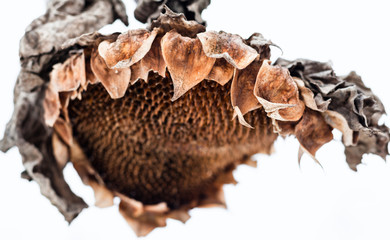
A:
(160, 117)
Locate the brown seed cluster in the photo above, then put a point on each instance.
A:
(154, 150)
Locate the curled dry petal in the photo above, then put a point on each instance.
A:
(51, 105)
(69, 75)
(90, 76)
(221, 72)
(261, 45)
(129, 48)
(336, 120)
(143, 219)
(308, 96)
(103, 196)
(115, 81)
(186, 62)
(152, 61)
(229, 46)
(312, 131)
(60, 151)
(149, 10)
(278, 93)
(243, 100)
(178, 22)
(64, 131)
(216, 199)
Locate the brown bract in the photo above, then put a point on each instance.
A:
(129, 48)
(278, 94)
(312, 131)
(186, 61)
(114, 80)
(51, 105)
(152, 61)
(221, 72)
(242, 97)
(231, 47)
(69, 75)
(178, 22)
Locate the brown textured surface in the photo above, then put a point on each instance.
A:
(152, 149)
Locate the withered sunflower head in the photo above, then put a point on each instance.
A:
(146, 116)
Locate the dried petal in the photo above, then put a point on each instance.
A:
(180, 215)
(51, 105)
(129, 48)
(336, 120)
(178, 22)
(312, 131)
(243, 100)
(216, 199)
(278, 93)
(261, 45)
(153, 61)
(69, 75)
(231, 47)
(142, 219)
(221, 72)
(60, 151)
(103, 196)
(115, 81)
(308, 96)
(149, 10)
(368, 143)
(64, 131)
(90, 76)
(186, 62)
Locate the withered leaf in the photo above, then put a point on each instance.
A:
(149, 10)
(352, 100)
(336, 120)
(308, 97)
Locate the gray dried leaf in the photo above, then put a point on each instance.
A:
(40, 49)
(351, 99)
(149, 10)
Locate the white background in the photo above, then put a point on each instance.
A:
(275, 201)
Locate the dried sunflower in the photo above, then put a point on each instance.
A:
(139, 114)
